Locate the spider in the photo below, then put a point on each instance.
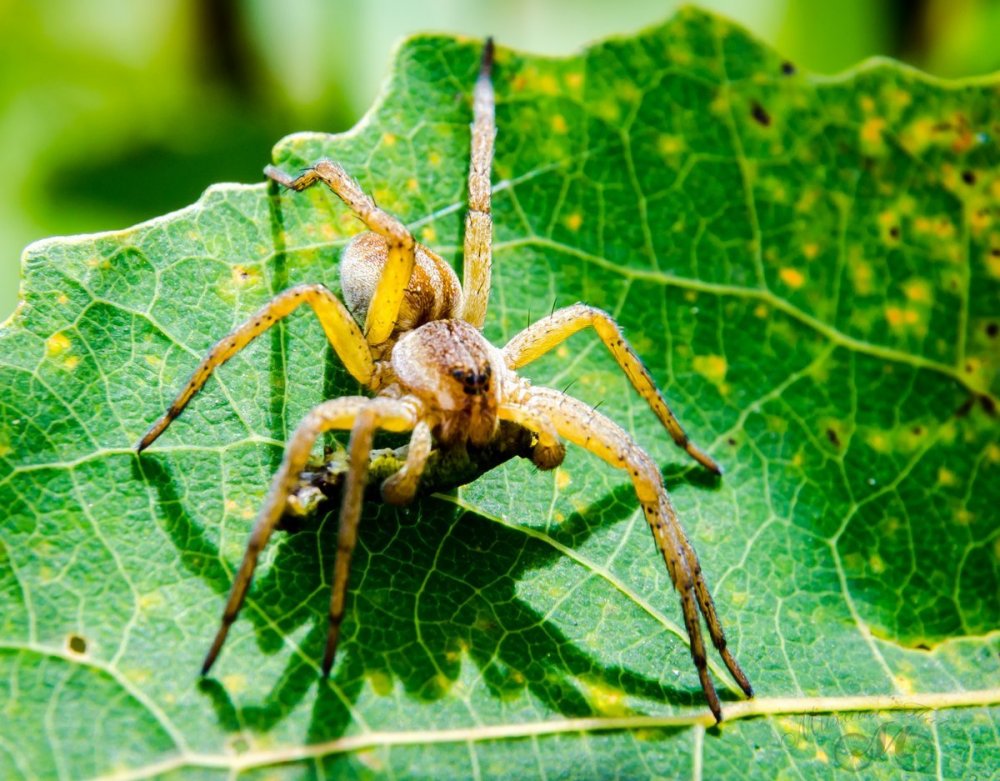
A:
(411, 334)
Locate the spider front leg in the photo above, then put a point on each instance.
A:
(543, 409)
(478, 249)
(339, 326)
(540, 337)
(360, 414)
(384, 307)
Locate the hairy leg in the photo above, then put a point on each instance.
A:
(384, 307)
(340, 413)
(540, 337)
(339, 326)
(478, 254)
(586, 427)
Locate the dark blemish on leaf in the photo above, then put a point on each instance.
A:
(76, 644)
(731, 441)
(989, 406)
(968, 177)
(894, 231)
(966, 407)
(992, 329)
(832, 436)
(922, 646)
(787, 68)
(917, 431)
(760, 115)
(995, 252)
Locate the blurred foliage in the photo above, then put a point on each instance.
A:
(112, 112)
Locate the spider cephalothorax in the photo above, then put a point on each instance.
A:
(420, 351)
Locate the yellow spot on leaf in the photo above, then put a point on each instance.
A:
(963, 517)
(792, 277)
(899, 317)
(427, 234)
(904, 684)
(607, 700)
(434, 158)
(810, 250)
(712, 367)
(558, 123)
(245, 276)
(993, 452)
(944, 228)
(57, 344)
(562, 478)
(574, 221)
(548, 85)
(62, 299)
(867, 104)
(861, 274)
(871, 131)
(71, 363)
(412, 184)
(669, 145)
(389, 139)
(574, 80)
(946, 476)
(761, 311)
(918, 290)
(878, 442)
(5, 449)
(235, 683)
(877, 564)
(380, 682)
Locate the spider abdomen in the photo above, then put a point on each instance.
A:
(432, 293)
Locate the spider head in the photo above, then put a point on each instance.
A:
(457, 374)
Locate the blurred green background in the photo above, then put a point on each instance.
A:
(113, 111)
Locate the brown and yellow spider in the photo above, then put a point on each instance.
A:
(433, 374)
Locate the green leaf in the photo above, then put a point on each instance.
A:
(808, 266)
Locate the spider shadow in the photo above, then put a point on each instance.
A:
(433, 587)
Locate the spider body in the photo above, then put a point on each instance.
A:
(411, 334)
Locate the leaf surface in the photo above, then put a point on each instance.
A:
(809, 267)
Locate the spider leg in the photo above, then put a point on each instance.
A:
(384, 307)
(342, 413)
(339, 326)
(401, 487)
(388, 414)
(540, 337)
(579, 423)
(478, 253)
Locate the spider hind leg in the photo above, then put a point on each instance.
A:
(545, 410)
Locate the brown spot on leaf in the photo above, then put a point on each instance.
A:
(989, 406)
(76, 644)
(968, 177)
(788, 68)
(832, 436)
(760, 115)
(992, 329)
